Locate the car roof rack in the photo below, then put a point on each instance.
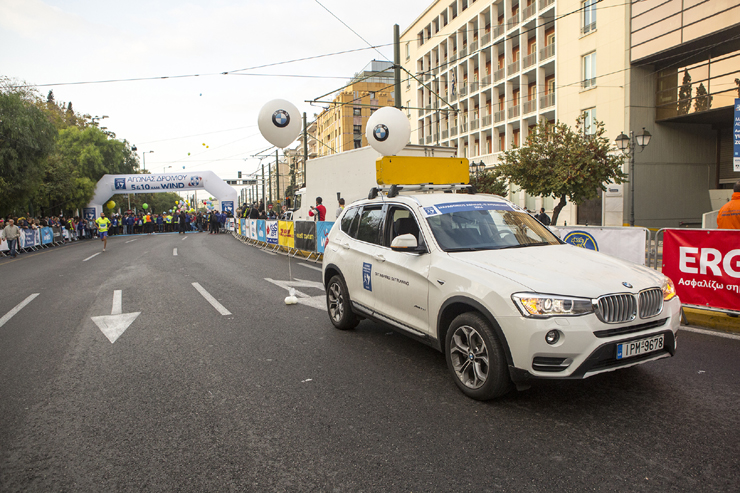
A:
(393, 190)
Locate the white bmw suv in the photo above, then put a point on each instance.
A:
(505, 300)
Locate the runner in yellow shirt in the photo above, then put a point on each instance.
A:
(103, 225)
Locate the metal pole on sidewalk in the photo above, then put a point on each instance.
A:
(397, 66)
(277, 180)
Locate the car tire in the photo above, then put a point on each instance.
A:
(338, 305)
(476, 358)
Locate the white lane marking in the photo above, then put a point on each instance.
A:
(311, 267)
(318, 302)
(174, 252)
(117, 302)
(184, 239)
(91, 256)
(17, 308)
(129, 241)
(115, 324)
(210, 299)
(710, 332)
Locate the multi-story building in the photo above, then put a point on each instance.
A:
(494, 62)
(669, 66)
(341, 127)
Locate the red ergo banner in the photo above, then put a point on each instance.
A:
(704, 266)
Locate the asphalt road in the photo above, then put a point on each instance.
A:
(271, 397)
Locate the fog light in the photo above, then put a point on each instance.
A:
(552, 337)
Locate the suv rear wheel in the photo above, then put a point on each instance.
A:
(476, 358)
(338, 305)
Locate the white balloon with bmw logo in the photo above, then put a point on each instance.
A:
(279, 122)
(388, 131)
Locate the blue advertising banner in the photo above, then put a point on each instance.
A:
(272, 232)
(243, 225)
(88, 213)
(47, 236)
(28, 238)
(227, 206)
(322, 234)
(736, 138)
(261, 235)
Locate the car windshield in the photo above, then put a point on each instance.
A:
(486, 226)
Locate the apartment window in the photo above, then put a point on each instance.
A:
(408, 51)
(589, 118)
(357, 129)
(589, 16)
(372, 94)
(589, 70)
(550, 84)
(356, 111)
(358, 143)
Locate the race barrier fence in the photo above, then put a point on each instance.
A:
(304, 238)
(35, 239)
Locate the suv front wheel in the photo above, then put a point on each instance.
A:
(339, 306)
(476, 358)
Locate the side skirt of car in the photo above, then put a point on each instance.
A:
(368, 313)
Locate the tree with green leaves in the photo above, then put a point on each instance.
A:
(26, 141)
(487, 181)
(563, 162)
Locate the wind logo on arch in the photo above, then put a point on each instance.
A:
(195, 181)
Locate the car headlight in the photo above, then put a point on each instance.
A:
(669, 290)
(547, 305)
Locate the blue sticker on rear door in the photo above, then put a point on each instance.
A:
(367, 276)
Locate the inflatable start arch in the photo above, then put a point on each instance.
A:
(110, 185)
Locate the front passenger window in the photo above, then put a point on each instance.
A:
(370, 221)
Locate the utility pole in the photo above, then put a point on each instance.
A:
(263, 184)
(397, 65)
(269, 181)
(277, 178)
(305, 146)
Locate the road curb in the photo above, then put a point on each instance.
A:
(712, 320)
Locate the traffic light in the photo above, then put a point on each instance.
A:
(240, 174)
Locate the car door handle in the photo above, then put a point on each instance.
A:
(379, 257)
(345, 245)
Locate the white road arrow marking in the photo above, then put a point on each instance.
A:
(115, 324)
(303, 298)
(311, 267)
(174, 252)
(213, 301)
(91, 256)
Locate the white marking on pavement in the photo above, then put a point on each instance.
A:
(711, 332)
(210, 299)
(174, 252)
(184, 239)
(129, 241)
(91, 256)
(17, 308)
(303, 298)
(311, 267)
(115, 324)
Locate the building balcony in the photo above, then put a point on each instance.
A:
(512, 21)
(474, 124)
(529, 11)
(474, 86)
(499, 116)
(463, 128)
(486, 81)
(547, 101)
(485, 39)
(512, 68)
(513, 111)
(547, 52)
(546, 3)
(529, 106)
(486, 121)
(498, 75)
(445, 134)
(463, 53)
(428, 139)
(529, 60)
(473, 46)
(453, 131)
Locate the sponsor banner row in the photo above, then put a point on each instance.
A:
(309, 236)
(31, 238)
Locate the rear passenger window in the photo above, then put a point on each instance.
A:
(370, 221)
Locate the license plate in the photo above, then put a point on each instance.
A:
(634, 348)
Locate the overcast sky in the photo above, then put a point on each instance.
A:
(54, 43)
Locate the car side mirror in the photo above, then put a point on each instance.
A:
(406, 243)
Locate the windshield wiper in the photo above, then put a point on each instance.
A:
(538, 243)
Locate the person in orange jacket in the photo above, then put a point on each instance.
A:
(729, 214)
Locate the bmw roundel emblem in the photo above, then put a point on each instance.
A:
(281, 118)
(627, 285)
(380, 132)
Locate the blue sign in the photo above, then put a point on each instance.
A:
(322, 234)
(450, 207)
(88, 213)
(367, 276)
(120, 183)
(47, 236)
(581, 239)
(261, 235)
(736, 138)
(227, 206)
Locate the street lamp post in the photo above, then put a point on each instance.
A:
(143, 154)
(627, 146)
(476, 168)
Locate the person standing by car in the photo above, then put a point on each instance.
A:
(542, 217)
(340, 208)
(729, 215)
(11, 233)
(319, 210)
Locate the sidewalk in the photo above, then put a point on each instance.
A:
(712, 320)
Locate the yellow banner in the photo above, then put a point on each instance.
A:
(416, 170)
(285, 233)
